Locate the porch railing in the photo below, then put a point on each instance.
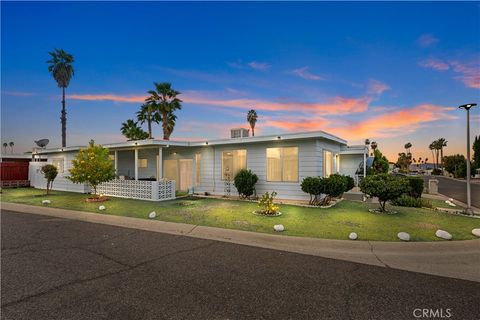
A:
(138, 189)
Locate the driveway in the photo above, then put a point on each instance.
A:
(56, 268)
(457, 189)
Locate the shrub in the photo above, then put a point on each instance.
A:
(245, 181)
(334, 187)
(436, 172)
(266, 204)
(350, 183)
(92, 166)
(385, 187)
(409, 201)
(314, 187)
(50, 173)
(416, 187)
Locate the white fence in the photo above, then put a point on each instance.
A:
(138, 189)
(133, 189)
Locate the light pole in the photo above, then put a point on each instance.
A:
(469, 196)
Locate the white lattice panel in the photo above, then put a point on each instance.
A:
(143, 190)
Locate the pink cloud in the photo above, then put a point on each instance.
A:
(469, 73)
(305, 74)
(384, 125)
(377, 87)
(435, 64)
(426, 40)
(108, 97)
(18, 93)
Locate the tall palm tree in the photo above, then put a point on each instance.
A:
(407, 147)
(149, 113)
(5, 145)
(61, 68)
(167, 102)
(432, 147)
(11, 144)
(252, 120)
(441, 144)
(132, 131)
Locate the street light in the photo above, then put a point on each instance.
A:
(469, 199)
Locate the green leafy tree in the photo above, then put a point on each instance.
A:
(167, 102)
(403, 162)
(456, 165)
(314, 186)
(385, 187)
(132, 131)
(252, 120)
(476, 152)
(61, 68)
(92, 166)
(50, 173)
(245, 181)
(149, 113)
(380, 163)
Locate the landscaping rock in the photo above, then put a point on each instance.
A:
(46, 202)
(353, 236)
(403, 236)
(279, 227)
(443, 234)
(476, 232)
(152, 215)
(101, 208)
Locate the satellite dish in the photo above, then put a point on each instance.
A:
(42, 143)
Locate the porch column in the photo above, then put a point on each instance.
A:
(136, 164)
(116, 162)
(335, 163)
(160, 164)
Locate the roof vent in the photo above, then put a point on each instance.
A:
(239, 133)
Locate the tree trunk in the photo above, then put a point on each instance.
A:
(166, 136)
(150, 129)
(63, 119)
(441, 158)
(253, 131)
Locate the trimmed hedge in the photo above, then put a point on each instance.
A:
(416, 187)
(409, 201)
(245, 181)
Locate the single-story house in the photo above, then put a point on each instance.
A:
(280, 162)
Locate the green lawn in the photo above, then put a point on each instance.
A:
(333, 223)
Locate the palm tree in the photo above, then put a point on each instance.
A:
(149, 113)
(11, 144)
(374, 145)
(441, 144)
(132, 131)
(61, 68)
(432, 147)
(252, 119)
(5, 145)
(407, 147)
(167, 102)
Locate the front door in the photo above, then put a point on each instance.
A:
(179, 170)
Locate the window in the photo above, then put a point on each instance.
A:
(198, 159)
(232, 162)
(282, 164)
(327, 163)
(142, 163)
(58, 162)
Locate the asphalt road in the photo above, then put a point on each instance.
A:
(457, 189)
(56, 268)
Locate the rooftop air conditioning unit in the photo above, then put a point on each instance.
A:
(239, 133)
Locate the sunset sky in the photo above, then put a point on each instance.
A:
(390, 72)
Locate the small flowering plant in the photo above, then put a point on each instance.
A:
(92, 166)
(266, 204)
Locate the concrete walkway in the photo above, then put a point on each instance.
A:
(455, 259)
